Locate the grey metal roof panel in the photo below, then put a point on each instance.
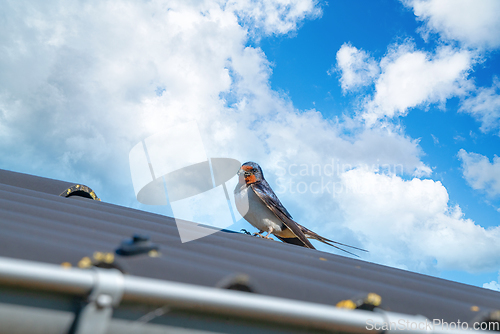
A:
(40, 226)
(45, 185)
(37, 183)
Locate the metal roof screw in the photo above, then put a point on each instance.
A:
(85, 262)
(109, 257)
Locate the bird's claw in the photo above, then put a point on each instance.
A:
(259, 234)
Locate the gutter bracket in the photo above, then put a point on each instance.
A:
(416, 324)
(96, 313)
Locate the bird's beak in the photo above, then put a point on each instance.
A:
(244, 170)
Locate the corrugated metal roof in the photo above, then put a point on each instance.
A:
(39, 225)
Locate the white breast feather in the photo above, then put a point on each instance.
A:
(251, 207)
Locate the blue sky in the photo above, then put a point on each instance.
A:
(288, 84)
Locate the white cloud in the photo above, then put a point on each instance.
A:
(274, 16)
(480, 173)
(412, 78)
(79, 81)
(409, 224)
(473, 23)
(485, 107)
(308, 138)
(493, 285)
(357, 68)
(435, 139)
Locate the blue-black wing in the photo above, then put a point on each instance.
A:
(267, 195)
(302, 233)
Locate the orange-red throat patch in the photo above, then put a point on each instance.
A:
(250, 179)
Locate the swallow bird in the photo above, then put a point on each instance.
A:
(259, 205)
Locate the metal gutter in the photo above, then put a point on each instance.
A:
(85, 283)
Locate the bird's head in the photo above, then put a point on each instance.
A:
(251, 172)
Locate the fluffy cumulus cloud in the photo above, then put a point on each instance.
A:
(356, 67)
(493, 285)
(473, 23)
(411, 78)
(480, 173)
(485, 107)
(410, 224)
(83, 82)
(407, 78)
